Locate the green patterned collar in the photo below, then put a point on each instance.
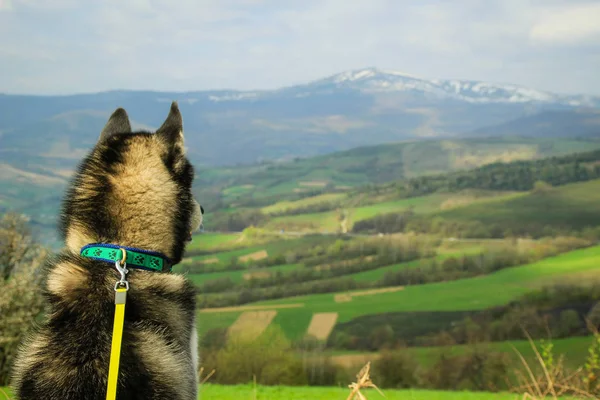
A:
(136, 258)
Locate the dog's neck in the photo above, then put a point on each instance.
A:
(127, 256)
(76, 239)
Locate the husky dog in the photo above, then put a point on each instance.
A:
(132, 190)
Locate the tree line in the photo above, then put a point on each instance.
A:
(558, 311)
(334, 277)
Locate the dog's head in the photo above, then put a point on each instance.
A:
(134, 189)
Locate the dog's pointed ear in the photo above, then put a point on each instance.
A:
(172, 129)
(117, 123)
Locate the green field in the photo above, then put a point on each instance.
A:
(275, 248)
(251, 392)
(238, 276)
(390, 162)
(212, 241)
(225, 257)
(572, 206)
(443, 252)
(273, 182)
(466, 294)
(341, 393)
(329, 220)
(377, 274)
(283, 206)
(573, 351)
(279, 245)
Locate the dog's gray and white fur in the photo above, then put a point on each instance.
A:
(133, 189)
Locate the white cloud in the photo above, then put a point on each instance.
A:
(5, 5)
(250, 44)
(568, 24)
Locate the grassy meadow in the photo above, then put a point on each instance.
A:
(319, 393)
(329, 221)
(309, 242)
(332, 293)
(465, 294)
(258, 392)
(570, 207)
(380, 164)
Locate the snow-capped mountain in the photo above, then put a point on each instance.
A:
(373, 80)
(353, 108)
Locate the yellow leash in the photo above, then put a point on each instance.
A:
(121, 289)
(115, 352)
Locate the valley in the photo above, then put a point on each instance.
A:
(341, 228)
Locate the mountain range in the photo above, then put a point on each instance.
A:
(43, 137)
(347, 110)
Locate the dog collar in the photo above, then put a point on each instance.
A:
(136, 258)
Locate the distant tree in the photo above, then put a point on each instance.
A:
(541, 187)
(569, 322)
(214, 339)
(396, 369)
(382, 336)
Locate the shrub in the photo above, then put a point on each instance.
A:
(569, 323)
(20, 293)
(320, 371)
(268, 358)
(479, 369)
(214, 339)
(548, 377)
(396, 369)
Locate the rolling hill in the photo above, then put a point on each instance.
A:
(395, 161)
(350, 109)
(568, 208)
(35, 187)
(250, 148)
(294, 314)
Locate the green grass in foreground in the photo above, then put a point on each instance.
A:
(240, 392)
(249, 392)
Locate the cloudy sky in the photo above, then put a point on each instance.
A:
(67, 46)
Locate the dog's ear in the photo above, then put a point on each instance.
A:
(171, 131)
(117, 123)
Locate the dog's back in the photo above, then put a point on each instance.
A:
(68, 356)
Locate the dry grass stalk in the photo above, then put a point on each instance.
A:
(363, 381)
(206, 378)
(553, 382)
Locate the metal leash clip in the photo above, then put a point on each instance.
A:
(121, 266)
